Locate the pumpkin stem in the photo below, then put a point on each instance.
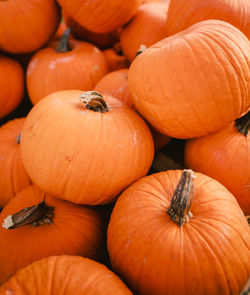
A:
(243, 124)
(18, 138)
(141, 49)
(63, 44)
(118, 49)
(36, 215)
(182, 199)
(94, 101)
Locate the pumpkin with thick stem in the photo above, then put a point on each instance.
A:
(88, 147)
(35, 225)
(179, 232)
(195, 82)
(225, 156)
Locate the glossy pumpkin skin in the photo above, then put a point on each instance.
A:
(210, 254)
(224, 156)
(11, 84)
(90, 156)
(147, 27)
(195, 82)
(80, 68)
(184, 13)
(71, 275)
(13, 176)
(115, 60)
(101, 16)
(27, 25)
(76, 230)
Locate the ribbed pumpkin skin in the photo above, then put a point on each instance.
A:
(224, 156)
(85, 156)
(49, 71)
(210, 254)
(27, 25)
(65, 275)
(76, 230)
(13, 176)
(147, 27)
(11, 84)
(195, 82)
(184, 13)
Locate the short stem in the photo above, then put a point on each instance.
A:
(18, 138)
(36, 215)
(94, 101)
(243, 124)
(181, 202)
(63, 44)
(118, 49)
(141, 49)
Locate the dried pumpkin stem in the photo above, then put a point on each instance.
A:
(94, 101)
(181, 202)
(243, 124)
(18, 138)
(141, 49)
(36, 215)
(63, 44)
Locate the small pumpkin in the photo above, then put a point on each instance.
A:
(11, 84)
(35, 225)
(115, 58)
(13, 176)
(67, 64)
(224, 156)
(194, 82)
(71, 275)
(179, 232)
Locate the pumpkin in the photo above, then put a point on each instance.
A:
(26, 26)
(179, 232)
(71, 275)
(194, 82)
(184, 13)
(224, 156)
(13, 176)
(146, 28)
(36, 225)
(100, 16)
(115, 58)
(88, 147)
(67, 64)
(11, 84)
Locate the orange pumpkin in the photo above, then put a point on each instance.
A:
(88, 148)
(69, 64)
(146, 28)
(172, 234)
(184, 13)
(71, 275)
(13, 176)
(115, 58)
(35, 225)
(26, 26)
(224, 156)
(195, 82)
(11, 84)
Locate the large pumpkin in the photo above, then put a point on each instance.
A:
(195, 82)
(65, 275)
(225, 156)
(35, 225)
(87, 150)
(11, 84)
(172, 234)
(184, 13)
(13, 176)
(26, 26)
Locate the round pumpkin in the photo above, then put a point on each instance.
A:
(115, 58)
(224, 156)
(88, 148)
(179, 232)
(71, 275)
(35, 225)
(11, 84)
(13, 176)
(67, 64)
(146, 28)
(194, 82)
(184, 13)
(26, 26)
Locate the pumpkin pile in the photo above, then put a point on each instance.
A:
(125, 147)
